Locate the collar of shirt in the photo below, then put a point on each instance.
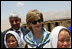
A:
(30, 39)
(17, 30)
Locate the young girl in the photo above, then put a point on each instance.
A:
(60, 37)
(12, 40)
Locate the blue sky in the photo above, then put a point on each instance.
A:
(22, 7)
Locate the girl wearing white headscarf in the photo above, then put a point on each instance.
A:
(55, 35)
(20, 43)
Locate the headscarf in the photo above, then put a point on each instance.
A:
(13, 33)
(54, 36)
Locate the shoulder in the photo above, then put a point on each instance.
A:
(4, 32)
(46, 36)
(46, 32)
(28, 35)
(44, 29)
(29, 38)
(25, 30)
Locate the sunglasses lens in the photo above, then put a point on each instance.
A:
(35, 22)
(39, 21)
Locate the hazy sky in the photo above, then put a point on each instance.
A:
(22, 7)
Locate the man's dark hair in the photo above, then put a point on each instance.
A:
(8, 35)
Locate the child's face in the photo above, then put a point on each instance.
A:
(12, 42)
(64, 40)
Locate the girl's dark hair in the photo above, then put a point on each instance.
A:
(8, 35)
(65, 30)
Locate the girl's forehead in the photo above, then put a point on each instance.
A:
(64, 33)
(11, 37)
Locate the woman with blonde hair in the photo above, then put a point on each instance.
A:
(38, 36)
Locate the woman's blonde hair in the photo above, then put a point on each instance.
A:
(32, 14)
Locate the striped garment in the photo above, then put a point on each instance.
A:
(29, 39)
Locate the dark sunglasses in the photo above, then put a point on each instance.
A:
(35, 22)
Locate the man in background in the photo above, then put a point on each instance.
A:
(15, 22)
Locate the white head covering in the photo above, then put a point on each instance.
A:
(13, 14)
(16, 36)
(54, 36)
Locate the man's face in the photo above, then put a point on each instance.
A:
(15, 23)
